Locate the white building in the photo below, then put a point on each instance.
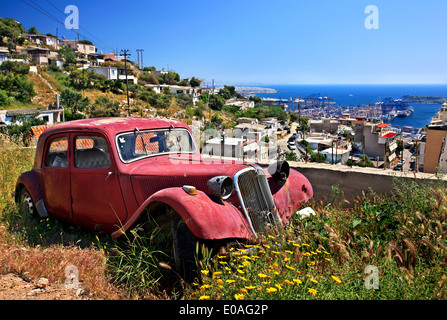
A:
(336, 155)
(109, 72)
(3, 54)
(175, 90)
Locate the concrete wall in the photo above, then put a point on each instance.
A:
(353, 181)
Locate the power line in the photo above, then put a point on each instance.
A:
(51, 16)
(81, 27)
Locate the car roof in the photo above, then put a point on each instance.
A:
(115, 125)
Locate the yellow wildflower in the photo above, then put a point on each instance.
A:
(318, 251)
(223, 262)
(288, 251)
(325, 252)
(275, 265)
(296, 245)
(271, 237)
(230, 281)
(336, 279)
(291, 283)
(243, 290)
(243, 279)
(217, 274)
(204, 297)
(205, 272)
(313, 291)
(276, 273)
(286, 259)
(313, 280)
(205, 286)
(306, 245)
(278, 286)
(240, 271)
(220, 281)
(271, 290)
(289, 267)
(314, 253)
(250, 287)
(275, 252)
(327, 259)
(266, 246)
(261, 275)
(239, 296)
(298, 281)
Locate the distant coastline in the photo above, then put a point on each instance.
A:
(424, 100)
(249, 90)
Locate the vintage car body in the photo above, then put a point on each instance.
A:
(97, 185)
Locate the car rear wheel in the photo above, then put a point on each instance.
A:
(26, 202)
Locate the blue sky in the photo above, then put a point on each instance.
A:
(263, 42)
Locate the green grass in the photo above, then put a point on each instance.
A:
(326, 256)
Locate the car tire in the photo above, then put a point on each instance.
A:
(170, 235)
(26, 202)
(183, 248)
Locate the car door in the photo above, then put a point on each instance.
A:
(55, 176)
(95, 190)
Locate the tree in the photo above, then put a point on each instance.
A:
(10, 28)
(14, 67)
(17, 87)
(33, 30)
(67, 54)
(216, 102)
(148, 78)
(17, 131)
(291, 156)
(104, 107)
(74, 104)
(169, 78)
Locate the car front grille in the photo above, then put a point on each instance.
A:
(256, 199)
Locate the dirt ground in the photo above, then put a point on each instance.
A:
(19, 287)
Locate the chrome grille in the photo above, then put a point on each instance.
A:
(256, 199)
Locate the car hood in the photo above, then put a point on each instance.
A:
(151, 176)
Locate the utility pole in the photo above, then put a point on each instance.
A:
(125, 52)
(140, 58)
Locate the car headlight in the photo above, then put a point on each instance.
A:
(220, 186)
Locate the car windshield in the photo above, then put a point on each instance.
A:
(141, 144)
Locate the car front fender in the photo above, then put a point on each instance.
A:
(292, 195)
(206, 218)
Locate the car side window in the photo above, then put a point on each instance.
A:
(91, 152)
(57, 152)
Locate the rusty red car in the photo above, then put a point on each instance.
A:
(111, 174)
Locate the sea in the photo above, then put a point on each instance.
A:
(356, 95)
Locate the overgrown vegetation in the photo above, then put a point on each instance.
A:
(321, 257)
